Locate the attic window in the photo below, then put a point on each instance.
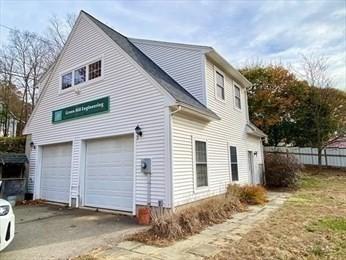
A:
(95, 70)
(79, 75)
(66, 81)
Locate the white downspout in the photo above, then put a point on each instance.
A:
(171, 153)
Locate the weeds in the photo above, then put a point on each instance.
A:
(248, 194)
(167, 226)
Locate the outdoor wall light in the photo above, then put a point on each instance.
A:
(255, 153)
(138, 131)
(32, 145)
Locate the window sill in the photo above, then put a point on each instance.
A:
(220, 99)
(80, 86)
(237, 109)
(201, 189)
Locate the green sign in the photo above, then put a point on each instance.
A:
(93, 107)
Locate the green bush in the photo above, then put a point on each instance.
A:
(12, 144)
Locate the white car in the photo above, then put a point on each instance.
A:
(6, 223)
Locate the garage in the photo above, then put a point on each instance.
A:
(109, 173)
(56, 172)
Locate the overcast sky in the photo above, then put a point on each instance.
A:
(242, 31)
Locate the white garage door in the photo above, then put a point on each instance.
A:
(56, 172)
(109, 173)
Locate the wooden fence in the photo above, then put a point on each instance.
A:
(334, 157)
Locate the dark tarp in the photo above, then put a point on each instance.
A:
(13, 158)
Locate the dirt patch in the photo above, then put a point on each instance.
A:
(310, 225)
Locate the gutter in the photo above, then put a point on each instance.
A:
(215, 56)
(197, 112)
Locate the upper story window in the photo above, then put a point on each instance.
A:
(95, 70)
(220, 86)
(237, 97)
(81, 74)
(66, 81)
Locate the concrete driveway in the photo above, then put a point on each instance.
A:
(54, 232)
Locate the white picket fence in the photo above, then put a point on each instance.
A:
(335, 157)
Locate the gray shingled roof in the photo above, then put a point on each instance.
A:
(13, 158)
(168, 83)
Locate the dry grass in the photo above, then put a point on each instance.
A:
(30, 202)
(167, 227)
(92, 255)
(249, 194)
(85, 257)
(310, 225)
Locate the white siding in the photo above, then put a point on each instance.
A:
(133, 100)
(230, 130)
(32, 166)
(254, 144)
(182, 64)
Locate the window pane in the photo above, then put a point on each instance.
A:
(237, 91)
(201, 153)
(202, 175)
(67, 80)
(220, 92)
(95, 70)
(233, 152)
(234, 168)
(219, 79)
(79, 76)
(237, 102)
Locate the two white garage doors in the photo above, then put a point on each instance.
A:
(108, 176)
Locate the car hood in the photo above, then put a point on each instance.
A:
(4, 202)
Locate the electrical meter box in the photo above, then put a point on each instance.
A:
(146, 166)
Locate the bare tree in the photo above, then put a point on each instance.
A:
(25, 58)
(314, 69)
(59, 29)
(6, 77)
(29, 56)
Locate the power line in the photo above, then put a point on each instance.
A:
(36, 36)
(39, 66)
(9, 28)
(17, 74)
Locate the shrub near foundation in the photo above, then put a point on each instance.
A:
(281, 170)
(248, 194)
(167, 227)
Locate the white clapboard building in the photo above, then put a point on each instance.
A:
(125, 122)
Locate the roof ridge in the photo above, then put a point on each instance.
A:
(184, 45)
(154, 70)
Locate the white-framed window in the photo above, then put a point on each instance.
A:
(201, 164)
(237, 97)
(66, 80)
(95, 69)
(219, 85)
(81, 75)
(234, 163)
